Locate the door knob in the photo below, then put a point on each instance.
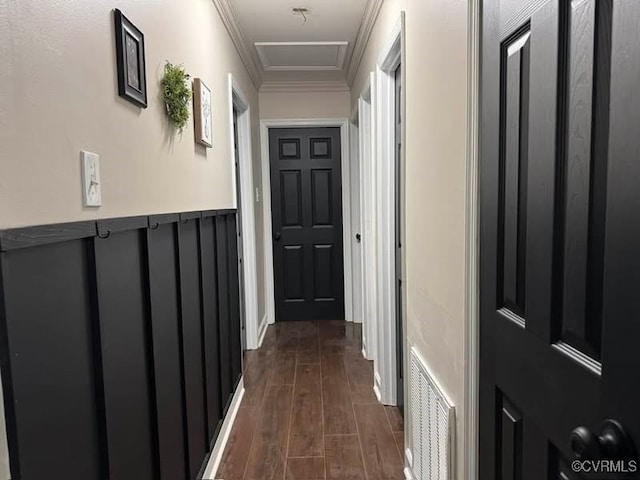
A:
(610, 443)
(358, 237)
(277, 236)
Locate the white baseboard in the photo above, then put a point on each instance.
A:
(262, 329)
(364, 353)
(376, 390)
(223, 437)
(376, 386)
(408, 474)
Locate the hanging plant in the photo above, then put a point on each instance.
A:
(177, 95)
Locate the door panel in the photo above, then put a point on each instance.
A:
(557, 328)
(307, 223)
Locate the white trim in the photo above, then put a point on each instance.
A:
(223, 437)
(376, 391)
(362, 38)
(355, 212)
(262, 329)
(389, 59)
(265, 125)
(472, 313)
(230, 21)
(304, 87)
(369, 213)
(239, 101)
(408, 455)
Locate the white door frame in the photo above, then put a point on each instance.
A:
(269, 281)
(385, 370)
(357, 251)
(368, 217)
(239, 101)
(472, 264)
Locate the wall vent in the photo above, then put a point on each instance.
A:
(432, 420)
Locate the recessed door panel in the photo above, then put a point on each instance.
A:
(293, 273)
(323, 288)
(322, 197)
(291, 201)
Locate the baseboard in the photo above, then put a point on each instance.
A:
(376, 390)
(218, 449)
(408, 473)
(262, 329)
(364, 353)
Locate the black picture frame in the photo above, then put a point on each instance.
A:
(130, 58)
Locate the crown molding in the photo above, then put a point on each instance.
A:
(228, 16)
(304, 87)
(362, 39)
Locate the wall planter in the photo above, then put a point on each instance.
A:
(176, 92)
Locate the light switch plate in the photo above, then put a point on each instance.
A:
(92, 189)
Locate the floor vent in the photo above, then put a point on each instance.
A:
(432, 419)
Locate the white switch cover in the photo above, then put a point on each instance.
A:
(91, 179)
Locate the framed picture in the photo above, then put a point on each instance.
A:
(202, 113)
(132, 77)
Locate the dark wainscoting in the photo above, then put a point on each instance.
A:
(120, 344)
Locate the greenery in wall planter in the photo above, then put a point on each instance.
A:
(176, 91)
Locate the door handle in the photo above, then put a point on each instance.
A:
(358, 237)
(610, 443)
(277, 236)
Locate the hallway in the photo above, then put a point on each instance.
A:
(309, 411)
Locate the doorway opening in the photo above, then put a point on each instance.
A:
(295, 254)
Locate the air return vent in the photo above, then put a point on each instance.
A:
(432, 419)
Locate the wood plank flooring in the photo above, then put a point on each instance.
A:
(309, 411)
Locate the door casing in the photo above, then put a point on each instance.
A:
(368, 220)
(385, 369)
(265, 125)
(239, 101)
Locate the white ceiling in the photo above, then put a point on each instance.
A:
(290, 49)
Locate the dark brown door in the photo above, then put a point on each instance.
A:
(306, 207)
(560, 239)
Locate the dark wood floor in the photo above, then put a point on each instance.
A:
(309, 411)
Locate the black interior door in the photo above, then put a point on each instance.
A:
(560, 237)
(307, 223)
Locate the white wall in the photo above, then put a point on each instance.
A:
(59, 95)
(285, 105)
(436, 91)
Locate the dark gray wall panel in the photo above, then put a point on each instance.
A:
(234, 302)
(192, 344)
(52, 400)
(223, 311)
(210, 319)
(128, 387)
(165, 314)
(120, 344)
